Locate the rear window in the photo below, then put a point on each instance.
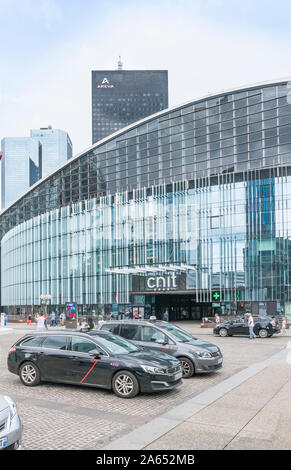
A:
(130, 332)
(112, 327)
(33, 342)
(55, 342)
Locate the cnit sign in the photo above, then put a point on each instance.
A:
(168, 282)
(105, 84)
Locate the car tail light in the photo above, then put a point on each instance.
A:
(12, 350)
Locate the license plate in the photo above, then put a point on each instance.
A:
(3, 442)
(178, 376)
(219, 361)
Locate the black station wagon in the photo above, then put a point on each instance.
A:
(105, 360)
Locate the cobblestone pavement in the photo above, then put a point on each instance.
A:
(72, 417)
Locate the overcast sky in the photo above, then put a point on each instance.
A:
(49, 47)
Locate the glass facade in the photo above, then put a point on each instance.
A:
(20, 167)
(56, 148)
(193, 201)
(121, 97)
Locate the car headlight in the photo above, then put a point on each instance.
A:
(12, 406)
(203, 354)
(153, 370)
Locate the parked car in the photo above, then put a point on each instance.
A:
(264, 327)
(195, 355)
(10, 425)
(104, 360)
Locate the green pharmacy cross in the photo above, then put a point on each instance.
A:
(216, 295)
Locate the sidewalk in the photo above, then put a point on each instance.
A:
(255, 415)
(250, 410)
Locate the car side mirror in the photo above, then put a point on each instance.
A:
(161, 341)
(95, 353)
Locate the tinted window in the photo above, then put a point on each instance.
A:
(116, 344)
(152, 334)
(55, 342)
(113, 328)
(32, 342)
(130, 332)
(179, 334)
(84, 345)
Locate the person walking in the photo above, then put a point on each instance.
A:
(40, 322)
(251, 326)
(29, 319)
(91, 323)
(53, 319)
(217, 319)
(284, 326)
(62, 318)
(45, 321)
(166, 315)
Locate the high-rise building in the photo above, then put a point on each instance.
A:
(121, 97)
(27, 159)
(56, 147)
(21, 162)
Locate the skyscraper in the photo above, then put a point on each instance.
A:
(121, 97)
(27, 159)
(56, 147)
(21, 162)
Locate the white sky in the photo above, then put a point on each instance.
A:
(49, 48)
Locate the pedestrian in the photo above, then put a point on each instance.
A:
(100, 320)
(91, 323)
(29, 319)
(184, 314)
(40, 322)
(284, 325)
(166, 315)
(217, 319)
(45, 321)
(62, 318)
(53, 319)
(251, 326)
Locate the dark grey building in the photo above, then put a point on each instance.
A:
(121, 97)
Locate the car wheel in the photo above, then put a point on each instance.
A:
(125, 384)
(187, 367)
(263, 333)
(29, 374)
(223, 332)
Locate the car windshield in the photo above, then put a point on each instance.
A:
(180, 335)
(115, 344)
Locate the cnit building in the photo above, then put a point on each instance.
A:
(187, 209)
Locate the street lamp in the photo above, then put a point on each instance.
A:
(45, 298)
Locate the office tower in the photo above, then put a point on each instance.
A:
(56, 147)
(121, 97)
(21, 161)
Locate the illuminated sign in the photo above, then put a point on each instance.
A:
(167, 282)
(70, 310)
(105, 84)
(216, 295)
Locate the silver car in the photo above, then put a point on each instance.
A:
(10, 425)
(195, 355)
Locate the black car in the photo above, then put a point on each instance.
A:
(103, 360)
(264, 327)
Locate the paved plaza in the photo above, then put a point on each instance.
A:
(241, 400)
